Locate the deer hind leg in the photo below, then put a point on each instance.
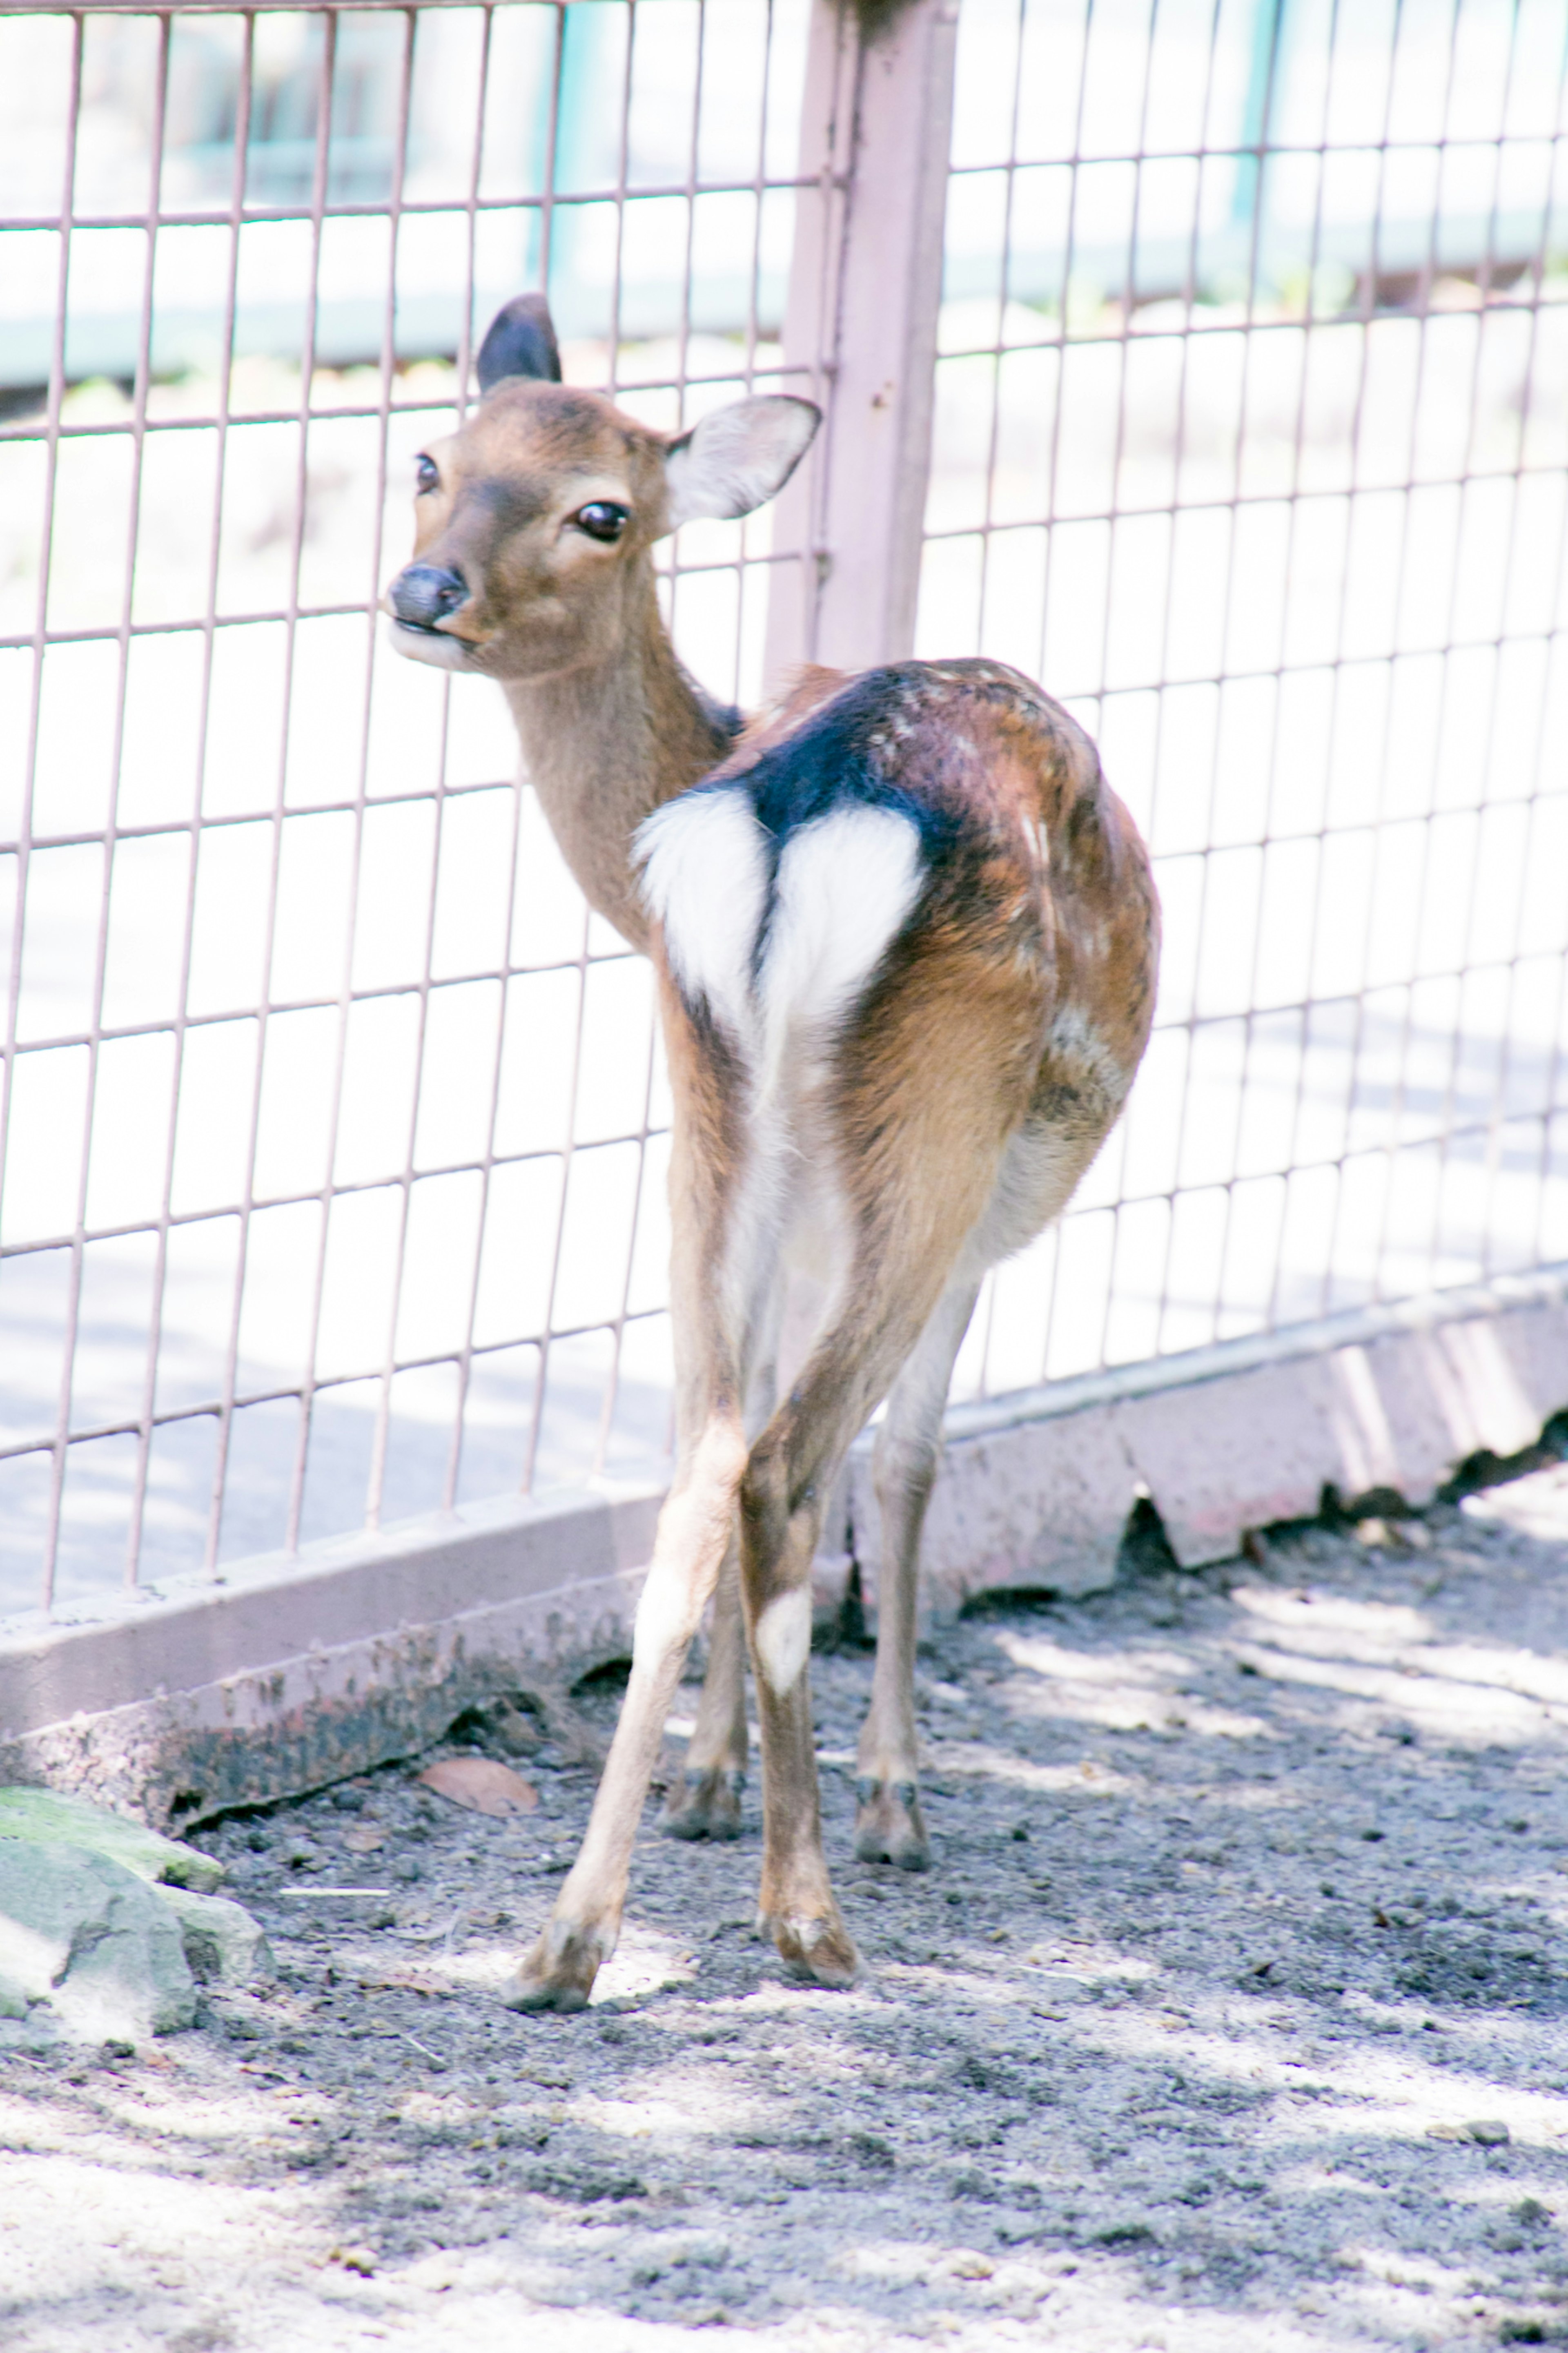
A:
(704, 1801)
(723, 1250)
(781, 1514)
(704, 1798)
(790, 1472)
(889, 1826)
(694, 1532)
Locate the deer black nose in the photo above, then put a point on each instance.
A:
(426, 593)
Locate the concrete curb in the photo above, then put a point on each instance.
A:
(1036, 1486)
(286, 1673)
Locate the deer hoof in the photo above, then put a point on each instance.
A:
(708, 1807)
(821, 1950)
(560, 1971)
(888, 1827)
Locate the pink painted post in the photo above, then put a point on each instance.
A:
(864, 285)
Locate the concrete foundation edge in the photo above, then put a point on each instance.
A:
(295, 1672)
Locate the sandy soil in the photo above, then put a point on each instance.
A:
(1233, 2015)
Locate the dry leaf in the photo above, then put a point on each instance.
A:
(364, 1839)
(481, 1784)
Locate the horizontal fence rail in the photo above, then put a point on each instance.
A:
(332, 1135)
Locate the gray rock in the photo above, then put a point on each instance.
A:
(39, 2030)
(224, 1946)
(27, 1813)
(93, 1940)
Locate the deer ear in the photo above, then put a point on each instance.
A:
(520, 341)
(733, 460)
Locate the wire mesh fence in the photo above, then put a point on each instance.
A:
(332, 1174)
(331, 1139)
(1252, 423)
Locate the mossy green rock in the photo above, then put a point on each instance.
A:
(93, 1939)
(73, 1822)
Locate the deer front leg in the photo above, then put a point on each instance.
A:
(889, 1825)
(694, 1532)
(705, 1800)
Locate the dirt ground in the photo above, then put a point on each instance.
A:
(1234, 2014)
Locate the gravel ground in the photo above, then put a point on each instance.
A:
(1233, 2014)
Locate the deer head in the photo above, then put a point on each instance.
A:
(534, 520)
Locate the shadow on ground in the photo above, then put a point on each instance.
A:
(1234, 2012)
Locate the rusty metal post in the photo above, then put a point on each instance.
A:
(864, 285)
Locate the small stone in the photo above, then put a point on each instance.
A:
(222, 1944)
(973, 2267)
(355, 2259)
(1489, 2132)
(515, 1730)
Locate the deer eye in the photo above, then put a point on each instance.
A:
(602, 520)
(427, 474)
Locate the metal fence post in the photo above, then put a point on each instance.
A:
(864, 285)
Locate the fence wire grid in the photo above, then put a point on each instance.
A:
(1252, 427)
(331, 1143)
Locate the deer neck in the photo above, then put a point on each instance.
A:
(607, 743)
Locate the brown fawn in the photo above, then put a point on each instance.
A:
(905, 938)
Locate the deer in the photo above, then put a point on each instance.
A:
(905, 940)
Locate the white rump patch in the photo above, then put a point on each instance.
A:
(846, 885)
(704, 866)
(784, 1639)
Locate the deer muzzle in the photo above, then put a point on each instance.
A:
(425, 593)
